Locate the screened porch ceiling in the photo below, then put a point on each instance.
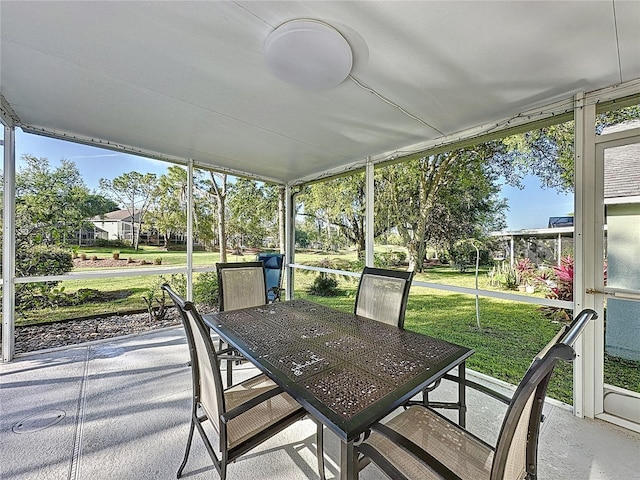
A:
(188, 80)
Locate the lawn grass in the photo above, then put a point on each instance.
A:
(123, 294)
(511, 332)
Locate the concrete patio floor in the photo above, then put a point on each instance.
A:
(119, 409)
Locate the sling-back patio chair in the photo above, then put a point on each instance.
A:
(240, 285)
(273, 268)
(244, 415)
(420, 444)
(382, 295)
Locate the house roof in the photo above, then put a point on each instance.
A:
(622, 166)
(115, 216)
(188, 80)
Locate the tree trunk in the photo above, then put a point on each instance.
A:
(135, 236)
(222, 234)
(415, 265)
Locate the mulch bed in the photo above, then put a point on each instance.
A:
(107, 262)
(72, 332)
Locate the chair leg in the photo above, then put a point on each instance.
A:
(320, 448)
(186, 453)
(229, 373)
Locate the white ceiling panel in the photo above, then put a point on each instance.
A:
(188, 80)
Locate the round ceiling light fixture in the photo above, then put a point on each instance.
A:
(308, 54)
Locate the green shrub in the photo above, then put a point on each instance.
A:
(101, 242)
(324, 286)
(157, 261)
(36, 261)
(155, 299)
(43, 260)
(503, 275)
(178, 282)
(205, 289)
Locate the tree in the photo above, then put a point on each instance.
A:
(96, 204)
(168, 211)
(247, 213)
(135, 192)
(52, 204)
(341, 203)
(440, 199)
(548, 152)
(214, 189)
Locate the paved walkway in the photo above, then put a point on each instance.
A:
(119, 409)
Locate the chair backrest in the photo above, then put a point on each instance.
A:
(241, 285)
(205, 367)
(517, 447)
(273, 268)
(382, 295)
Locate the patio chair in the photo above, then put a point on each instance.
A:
(273, 268)
(244, 415)
(419, 443)
(382, 295)
(240, 285)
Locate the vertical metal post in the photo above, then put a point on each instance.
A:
(369, 218)
(9, 246)
(559, 259)
(512, 252)
(190, 230)
(290, 238)
(586, 255)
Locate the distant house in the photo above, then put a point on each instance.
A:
(117, 225)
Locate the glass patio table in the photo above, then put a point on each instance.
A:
(347, 371)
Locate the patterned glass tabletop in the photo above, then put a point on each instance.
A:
(347, 370)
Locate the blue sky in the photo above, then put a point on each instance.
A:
(528, 208)
(93, 163)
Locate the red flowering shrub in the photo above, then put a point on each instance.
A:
(525, 271)
(563, 289)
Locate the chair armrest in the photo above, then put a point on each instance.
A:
(481, 388)
(249, 404)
